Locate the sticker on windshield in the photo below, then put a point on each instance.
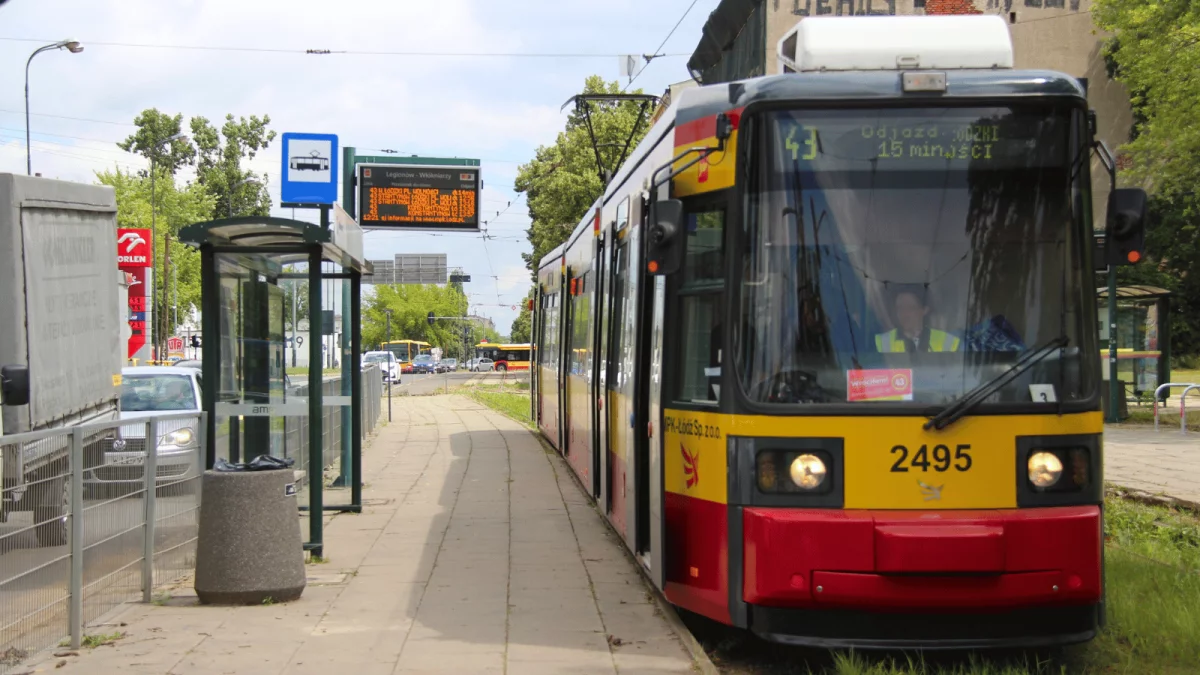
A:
(879, 385)
(1042, 393)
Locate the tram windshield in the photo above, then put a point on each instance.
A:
(914, 254)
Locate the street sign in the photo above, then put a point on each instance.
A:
(175, 343)
(309, 168)
(418, 197)
(135, 247)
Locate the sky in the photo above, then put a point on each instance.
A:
(452, 78)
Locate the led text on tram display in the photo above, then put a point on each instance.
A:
(903, 140)
(419, 197)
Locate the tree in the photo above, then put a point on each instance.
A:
(150, 141)
(522, 326)
(563, 180)
(177, 207)
(410, 305)
(219, 163)
(1155, 52)
(299, 288)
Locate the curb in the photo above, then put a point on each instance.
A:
(700, 658)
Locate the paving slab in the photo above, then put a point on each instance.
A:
(476, 553)
(1161, 462)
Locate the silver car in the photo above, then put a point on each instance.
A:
(147, 391)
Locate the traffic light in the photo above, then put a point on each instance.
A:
(1126, 226)
(430, 317)
(196, 341)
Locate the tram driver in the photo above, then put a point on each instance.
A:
(912, 332)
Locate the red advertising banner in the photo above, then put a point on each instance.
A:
(879, 385)
(135, 248)
(135, 254)
(137, 309)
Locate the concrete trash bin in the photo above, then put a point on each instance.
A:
(249, 548)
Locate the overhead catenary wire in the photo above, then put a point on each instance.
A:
(655, 54)
(310, 51)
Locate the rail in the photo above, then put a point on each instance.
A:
(1188, 386)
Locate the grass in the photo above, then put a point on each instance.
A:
(509, 399)
(1152, 573)
(96, 640)
(303, 370)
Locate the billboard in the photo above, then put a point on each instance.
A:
(418, 197)
(135, 255)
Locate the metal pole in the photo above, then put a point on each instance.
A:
(356, 387)
(28, 152)
(316, 481)
(153, 264)
(175, 282)
(389, 339)
(295, 295)
(76, 541)
(149, 509)
(1114, 387)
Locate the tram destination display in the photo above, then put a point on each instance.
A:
(418, 197)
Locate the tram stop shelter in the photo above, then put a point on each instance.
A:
(1143, 338)
(249, 265)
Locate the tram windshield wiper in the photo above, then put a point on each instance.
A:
(973, 398)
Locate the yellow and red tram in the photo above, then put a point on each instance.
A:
(824, 350)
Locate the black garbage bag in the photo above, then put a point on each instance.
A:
(260, 463)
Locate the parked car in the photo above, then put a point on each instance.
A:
(147, 391)
(424, 364)
(388, 364)
(447, 365)
(483, 366)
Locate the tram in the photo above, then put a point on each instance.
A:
(824, 351)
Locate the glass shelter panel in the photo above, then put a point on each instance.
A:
(258, 409)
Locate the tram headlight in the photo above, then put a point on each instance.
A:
(793, 472)
(1045, 468)
(807, 472)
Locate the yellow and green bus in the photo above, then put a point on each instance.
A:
(405, 351)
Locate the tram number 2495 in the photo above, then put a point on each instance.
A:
(939, 457)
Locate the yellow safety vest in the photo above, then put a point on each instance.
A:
(939, 341)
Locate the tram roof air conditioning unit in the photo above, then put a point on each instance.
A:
(824, 43)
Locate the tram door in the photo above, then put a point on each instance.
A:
(619, 395)
(598, 375)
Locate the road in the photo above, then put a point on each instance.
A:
(423, 385)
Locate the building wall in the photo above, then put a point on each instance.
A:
(1047, 34)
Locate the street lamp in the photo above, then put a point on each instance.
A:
(162, 323)
(72, 46)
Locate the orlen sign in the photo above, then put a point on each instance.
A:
(135, 248)
(135, 255)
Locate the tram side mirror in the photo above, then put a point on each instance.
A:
(14, 385)
(665, 242)
(1126, 226)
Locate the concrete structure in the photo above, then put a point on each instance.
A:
(740, 39)
(249, 551)
(409, 268)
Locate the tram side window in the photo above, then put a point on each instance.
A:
(617, 340)
(702, 301)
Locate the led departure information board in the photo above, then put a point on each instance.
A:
(418, 197)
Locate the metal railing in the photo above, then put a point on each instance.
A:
(295, 429)
(93, 516)
(1187, 387)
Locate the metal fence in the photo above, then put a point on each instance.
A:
(295, 429)
(93, 516)
(135, 488)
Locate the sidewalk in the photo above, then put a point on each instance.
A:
(476, 553)
(1165, 462)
